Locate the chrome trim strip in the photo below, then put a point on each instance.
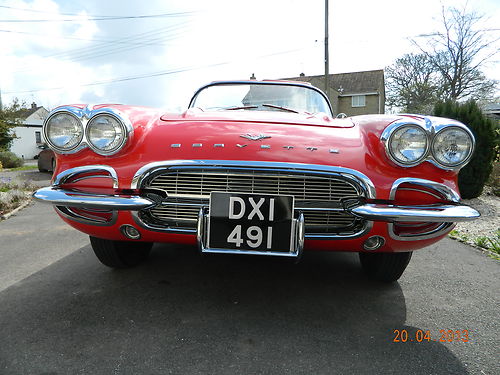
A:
(446, 192)
(440, 230)
(84, 116)
(309, 236)
(64, 176)
(69, 214)
(354, 175)
(348, 236)
(70, 198)
(435, 214)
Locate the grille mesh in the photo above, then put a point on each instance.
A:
(199, 184)
(307, 189)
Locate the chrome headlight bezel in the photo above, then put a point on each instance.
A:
(85, 116)
(116, 148)
(46, 129)
(432, 126)
(470, 151)
(390, 140)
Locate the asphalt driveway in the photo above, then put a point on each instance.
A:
(62, 312)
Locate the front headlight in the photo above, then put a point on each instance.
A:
(63, 132)
(106, 134)
(408, 145)
(452, 146)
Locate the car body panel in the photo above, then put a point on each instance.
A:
(345, 148)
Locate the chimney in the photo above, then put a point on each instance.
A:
(33, 105)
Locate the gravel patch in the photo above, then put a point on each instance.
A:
(487, 225)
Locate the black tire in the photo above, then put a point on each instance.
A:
(40, 169)
(120, 254)
(387, 267)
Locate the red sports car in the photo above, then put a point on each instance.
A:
(259, 168)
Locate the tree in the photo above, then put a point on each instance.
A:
(458, 52)
(9, 118)
(448, 67)
(412, 84)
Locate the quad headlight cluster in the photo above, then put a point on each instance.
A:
(447, 146)
(68, 130)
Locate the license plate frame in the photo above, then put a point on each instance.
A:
(255, 218)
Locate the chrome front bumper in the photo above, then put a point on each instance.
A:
(372, 212)
(430, 214)
(69, 198)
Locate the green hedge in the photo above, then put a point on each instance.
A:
(10, 160)
(473, 176)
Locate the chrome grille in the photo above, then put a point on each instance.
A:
(188, 190)
(199, 184)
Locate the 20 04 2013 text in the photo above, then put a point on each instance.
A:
(445, 335)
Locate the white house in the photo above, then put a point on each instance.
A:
(29, 134)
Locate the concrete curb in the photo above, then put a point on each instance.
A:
(15, 210)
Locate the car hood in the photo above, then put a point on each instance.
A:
(272, 117)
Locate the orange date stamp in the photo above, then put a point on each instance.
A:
(420, 335)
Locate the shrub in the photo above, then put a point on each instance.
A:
(474, 175)
(10, 160)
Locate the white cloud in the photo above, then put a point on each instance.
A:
(273, 39)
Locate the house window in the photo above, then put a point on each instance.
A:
(359, 100)
(38, 137)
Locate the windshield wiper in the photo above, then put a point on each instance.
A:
(242, 107)
(280, 107)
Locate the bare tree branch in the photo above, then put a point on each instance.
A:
(459, 52)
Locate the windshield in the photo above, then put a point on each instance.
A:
(260, 97)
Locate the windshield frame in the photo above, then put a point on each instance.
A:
(253, 82)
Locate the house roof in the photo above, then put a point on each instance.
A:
(348, 83)
(24, 113)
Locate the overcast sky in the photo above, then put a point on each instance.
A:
(76, 52)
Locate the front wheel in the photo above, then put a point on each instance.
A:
(120, 254)
(387, 267)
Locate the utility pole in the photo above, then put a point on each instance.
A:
(327, 74)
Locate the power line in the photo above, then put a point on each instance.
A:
(153, 74)
(84, 18)
(150, 38)
(114, 41)
(45, 12)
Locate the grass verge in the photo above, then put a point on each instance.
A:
(490, 244)
(23, 168)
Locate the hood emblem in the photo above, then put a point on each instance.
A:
(255, 137)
